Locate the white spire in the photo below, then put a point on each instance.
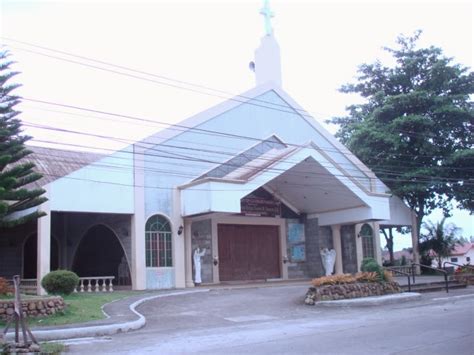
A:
(267, 65)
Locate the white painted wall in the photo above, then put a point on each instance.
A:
(462, 259)
(105, 186)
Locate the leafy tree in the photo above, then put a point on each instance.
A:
(15, 173)
(415, 126)
(440, 238)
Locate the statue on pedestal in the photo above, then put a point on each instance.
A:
(328, 258)
(198, 253)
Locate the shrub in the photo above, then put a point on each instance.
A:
(5, 287)
(60, 282)
(370, 265)
(334, 280)
(367, 263)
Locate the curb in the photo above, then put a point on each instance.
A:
(371, 301)
(100, 330)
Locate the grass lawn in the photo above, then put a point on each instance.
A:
(81, 307)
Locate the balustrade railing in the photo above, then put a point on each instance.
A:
(95, 284)
(28, 286)
(402, 268)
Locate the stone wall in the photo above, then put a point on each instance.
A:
(313, 256)
(325, 237)
(201, 236)
(349, 251)
(35, 307)
(316, 238)
(468, 279)
(350, 290)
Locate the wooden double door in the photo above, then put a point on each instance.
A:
(248, 252)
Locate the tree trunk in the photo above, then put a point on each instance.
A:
(389, 241)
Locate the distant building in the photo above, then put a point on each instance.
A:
(463, 254)
(398, 255)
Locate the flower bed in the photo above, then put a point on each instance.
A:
(468, 279)
(350, 290)
(34, 307)
(363, 284)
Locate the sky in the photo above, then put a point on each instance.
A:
(198, 53)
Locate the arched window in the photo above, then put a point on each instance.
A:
(367, 235)
(158, 242)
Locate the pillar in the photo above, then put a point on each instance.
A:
(414, 241)
(188, 253)
(359, 249)
(138, 262)
(178, 242)
(44, 244)
(336, 242)
(377, 247)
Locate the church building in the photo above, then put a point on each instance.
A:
(255, 183)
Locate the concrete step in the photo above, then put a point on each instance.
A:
(433, 286)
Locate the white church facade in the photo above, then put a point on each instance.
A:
(255, 182)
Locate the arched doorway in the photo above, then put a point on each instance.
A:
(30, 256)
(100, 254)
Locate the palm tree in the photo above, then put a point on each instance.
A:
(440, 239)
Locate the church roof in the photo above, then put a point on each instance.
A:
(55, 163)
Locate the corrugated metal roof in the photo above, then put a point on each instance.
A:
(56, 163)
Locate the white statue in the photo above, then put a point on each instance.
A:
(198, 253)
(329, 258)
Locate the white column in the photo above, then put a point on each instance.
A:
(359, 251)
(283, 248)
(377, 247)
(414, 241)
(44, 244)
(336, 241)
(138, 266)
(178, 242)
(188, 253)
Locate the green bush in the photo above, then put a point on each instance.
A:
(366, 261)
(60, 282)
(370, 265)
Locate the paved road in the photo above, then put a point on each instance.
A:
(275, 321)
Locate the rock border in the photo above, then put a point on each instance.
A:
(34, 307)
(350, 290)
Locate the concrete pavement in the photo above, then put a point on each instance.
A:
(122, 316)
(275, 320)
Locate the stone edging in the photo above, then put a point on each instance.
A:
(105, 329)
(465, 278)
(32, 307)
(349, 291)
(372, 301)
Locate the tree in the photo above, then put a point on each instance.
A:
(16, 199)
(389, 241)
(415, 128)
(440, 238)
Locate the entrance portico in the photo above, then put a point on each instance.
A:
(322, 207)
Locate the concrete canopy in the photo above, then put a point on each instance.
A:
(303, 177)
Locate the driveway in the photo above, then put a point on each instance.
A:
(275, 320)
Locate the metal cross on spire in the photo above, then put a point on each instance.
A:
(267, 14)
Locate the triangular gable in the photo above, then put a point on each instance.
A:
(280, 102)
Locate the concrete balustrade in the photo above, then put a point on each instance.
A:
(95, 284)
